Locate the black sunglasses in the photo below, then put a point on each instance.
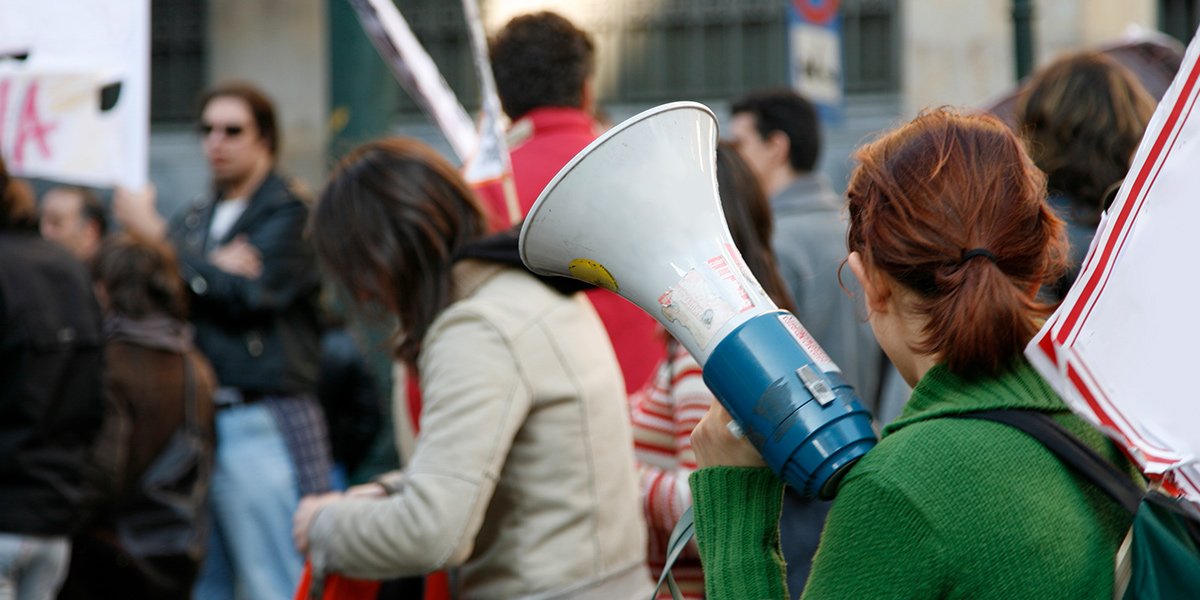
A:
(230, 131)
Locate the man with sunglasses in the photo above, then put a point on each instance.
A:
(254, 303)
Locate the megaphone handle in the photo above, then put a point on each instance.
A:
(683, 532)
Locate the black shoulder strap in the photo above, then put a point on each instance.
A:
(1071, 451)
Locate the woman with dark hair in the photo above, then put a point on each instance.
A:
(1082, 118)
(673, 401)
(951, 237)
(156, 445)
(522, 475)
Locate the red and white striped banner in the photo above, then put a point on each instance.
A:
(489, 169)
(416, 72)
(480, 146)
(1122, 348)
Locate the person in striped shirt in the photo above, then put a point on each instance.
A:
(669, 406)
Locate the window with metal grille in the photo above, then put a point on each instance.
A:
(870, 46)
(650, 51)
(1179, 18)
(646, 50)
(696, 49)
(177, 59)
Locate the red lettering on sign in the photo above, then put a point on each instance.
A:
(30, 127)
(4, 85)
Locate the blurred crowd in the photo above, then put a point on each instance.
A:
(181, 403)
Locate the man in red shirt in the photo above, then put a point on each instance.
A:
(543, 66)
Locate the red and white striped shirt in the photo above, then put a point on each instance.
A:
(664, 413)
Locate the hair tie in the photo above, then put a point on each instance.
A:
(976, 252)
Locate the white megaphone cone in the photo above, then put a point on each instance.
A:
(637, 212)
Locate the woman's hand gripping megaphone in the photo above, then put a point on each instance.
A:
(715, 443)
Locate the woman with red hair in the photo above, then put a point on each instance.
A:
(951, 237)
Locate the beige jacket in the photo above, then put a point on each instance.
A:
(523, 472)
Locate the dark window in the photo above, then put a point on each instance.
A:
(870, 46)
(650, 51)
(1179, 18)
(691, 49)
(646, 50)
(177, 58)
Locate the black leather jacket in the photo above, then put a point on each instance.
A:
(51, 356)
(260, 335)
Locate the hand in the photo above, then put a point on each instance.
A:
(238, 257)
(714, 445)
(135, 211)
(305, 513)
(366, 490)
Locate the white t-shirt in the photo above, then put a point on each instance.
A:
(225, 214)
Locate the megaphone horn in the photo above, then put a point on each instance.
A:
(637, 212)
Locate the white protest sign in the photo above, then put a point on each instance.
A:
(1122, 349)
(816, 62)
(74, 90)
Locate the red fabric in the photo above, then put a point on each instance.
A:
(634, 336)
(413, 397)
(558, 135)
(437, 586)
(547, 139)
(338, 587)
(491, 193)
(664, 413)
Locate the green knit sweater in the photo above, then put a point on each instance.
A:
(941, 508)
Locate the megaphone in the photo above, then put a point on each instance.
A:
(638, 212)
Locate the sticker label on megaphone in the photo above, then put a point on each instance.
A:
(696, 304)
(720, 265)
(744, 269)
(810, 345)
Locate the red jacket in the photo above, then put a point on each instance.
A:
(541, 143)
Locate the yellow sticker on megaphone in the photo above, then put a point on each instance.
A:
(592, 272)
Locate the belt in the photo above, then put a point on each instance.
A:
(231, 397)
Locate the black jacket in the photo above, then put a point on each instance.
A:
(260, 335)
(51, 356)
